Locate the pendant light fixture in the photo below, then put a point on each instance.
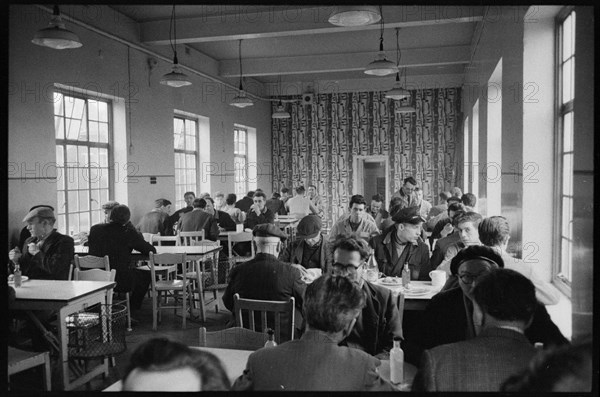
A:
(381, 66)
(280, 112)
(404, 104)
(241, 100)
(175, 78)
(354, 16)
(56, 36)
(397, 92)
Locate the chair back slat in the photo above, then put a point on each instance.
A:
(159, 240)
(92, 262)
(277, 308)
(233, 338)
(189, 238)
(277, 328)
(240, 237)
(263, 320)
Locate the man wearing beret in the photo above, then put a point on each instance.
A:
(311, 249)
(265, 277)
(47, 254)
(401, 244)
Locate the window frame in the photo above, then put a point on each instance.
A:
(64, 142)
(179, 202)
(242, 170)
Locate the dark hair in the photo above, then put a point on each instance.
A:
(161, 354)
(357, 199)
(41, 205)
(331, 302)
(457, 215)
(494, 231)
(161, 202)
(285, 190)
(300, 189)
(469, 199)
(199, 203)
(506, 295)
(250, 193)
(410, 180)
(377, 197)
(470, 216)
(352, 243)
(120, 214)
(456, 206)
(189, 193)
(453, 199)
(275, 195)
(210, 199)
(395, 205)
(259, 193)
(231, 199)
(258, 190)
(475, 252)
(566, 368)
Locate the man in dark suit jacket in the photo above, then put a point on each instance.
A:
(222, 218)
(117, 241)
(276, 205)
(189, 198)
(379, 321)
(198, 219)
(316, 362)
(401, 244)
(503, 305)
(245, 202)
(258, 212)
(311, 249)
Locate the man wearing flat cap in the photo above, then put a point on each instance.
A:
(311, 249)
(401, 244)
(265, 277)
(47, 254)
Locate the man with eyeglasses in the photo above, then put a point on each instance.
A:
(407, 193)
(448, 317)
(379, 321)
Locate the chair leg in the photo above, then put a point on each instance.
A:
(47, 372)
(183, 306)
(129, 329)
(154, 310)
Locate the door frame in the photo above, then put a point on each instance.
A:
(358, 165)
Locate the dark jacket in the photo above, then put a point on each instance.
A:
(179, 213)
(156, 222)
(390, 264)
(276, 206)
(117, 241)
(52, 262)
(266, 278)
(378, 322)
(198, 220)
(252, 219)
(293, 253)
(244, 203)
(439, 252)
(445, 321)
(224, 220)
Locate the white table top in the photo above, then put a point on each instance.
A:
(167, 249)
(59, 290)
(234, 363)
(415, 285)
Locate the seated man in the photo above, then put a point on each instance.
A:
(311, 249)
(224, 221)
(401, 245)
(276, 205)
(434, 220)
(503, 306)
(424, 205)
(442, 205)
(468, 231)
(315, 199)
(358, 222)
(157, 220)
(117, 241)
(107, 208)
(407, 194)
(198, 219)
(246, 202)
(315, 361)
(494, 232)
(450, 236)
(299, 205)
(379, 321)
(47, 254)
(448, 317)
(258, 213)
(236, 214)
(25, 234)
(163, 365)
(189, 198)
(376, 210)
(219, 201)
(265, 277)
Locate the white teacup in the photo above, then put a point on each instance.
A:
(438, 278)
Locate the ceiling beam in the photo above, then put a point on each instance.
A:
(327, 63)
(282, 21)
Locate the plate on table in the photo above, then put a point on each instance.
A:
(415, 291)
(11, 281)
(391, 281)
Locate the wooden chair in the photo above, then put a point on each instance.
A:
(400, 303)
(177, 288)
(236, 338)
(102, 262)
(219, 269)
(190, 238)
(158, 239)
(240, 237)
(148, 236)
(199, 275)
(264, 307)
(20, 360)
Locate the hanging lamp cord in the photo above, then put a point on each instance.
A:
(173, 29)
(381, 29)
(240, 58)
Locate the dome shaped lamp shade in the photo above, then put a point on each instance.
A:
(175, 78)
(381, 66)
(397, 92)
(280, 113)
(241, 100)
(56, 36)
(354, 16)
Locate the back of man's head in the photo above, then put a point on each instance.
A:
(284, 190)
(332, 302)
(231, 199)
(161, 203)
(199, 203)
(275, 196)
(453, 199)
(160, 355)
(506, 295)
(250, 193)
(494, 231)
(300, 190)
(469, 199)
(120, 214)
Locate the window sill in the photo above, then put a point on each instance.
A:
(561, 315)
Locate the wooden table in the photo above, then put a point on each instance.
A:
(413, 302)
(234, 363)
(193, 252)
(66, 297)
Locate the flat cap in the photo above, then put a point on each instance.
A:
(42, 212)
(309, 227)
(408, 215)
(268, 230)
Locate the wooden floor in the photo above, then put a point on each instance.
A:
(170, 327)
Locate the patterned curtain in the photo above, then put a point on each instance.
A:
(317, 144)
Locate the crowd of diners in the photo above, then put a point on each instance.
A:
(486, 330)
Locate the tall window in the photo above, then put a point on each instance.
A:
(240, 160)
(186, 157)
(466, 165)
(566, 96)
(83, 132)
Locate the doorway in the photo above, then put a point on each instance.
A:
(371, 177)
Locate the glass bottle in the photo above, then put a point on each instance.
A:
(396, 362)
(17, 276)
(405, 275)
(271, 342)
(372, 269)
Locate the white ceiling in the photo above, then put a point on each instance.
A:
(297, 44)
